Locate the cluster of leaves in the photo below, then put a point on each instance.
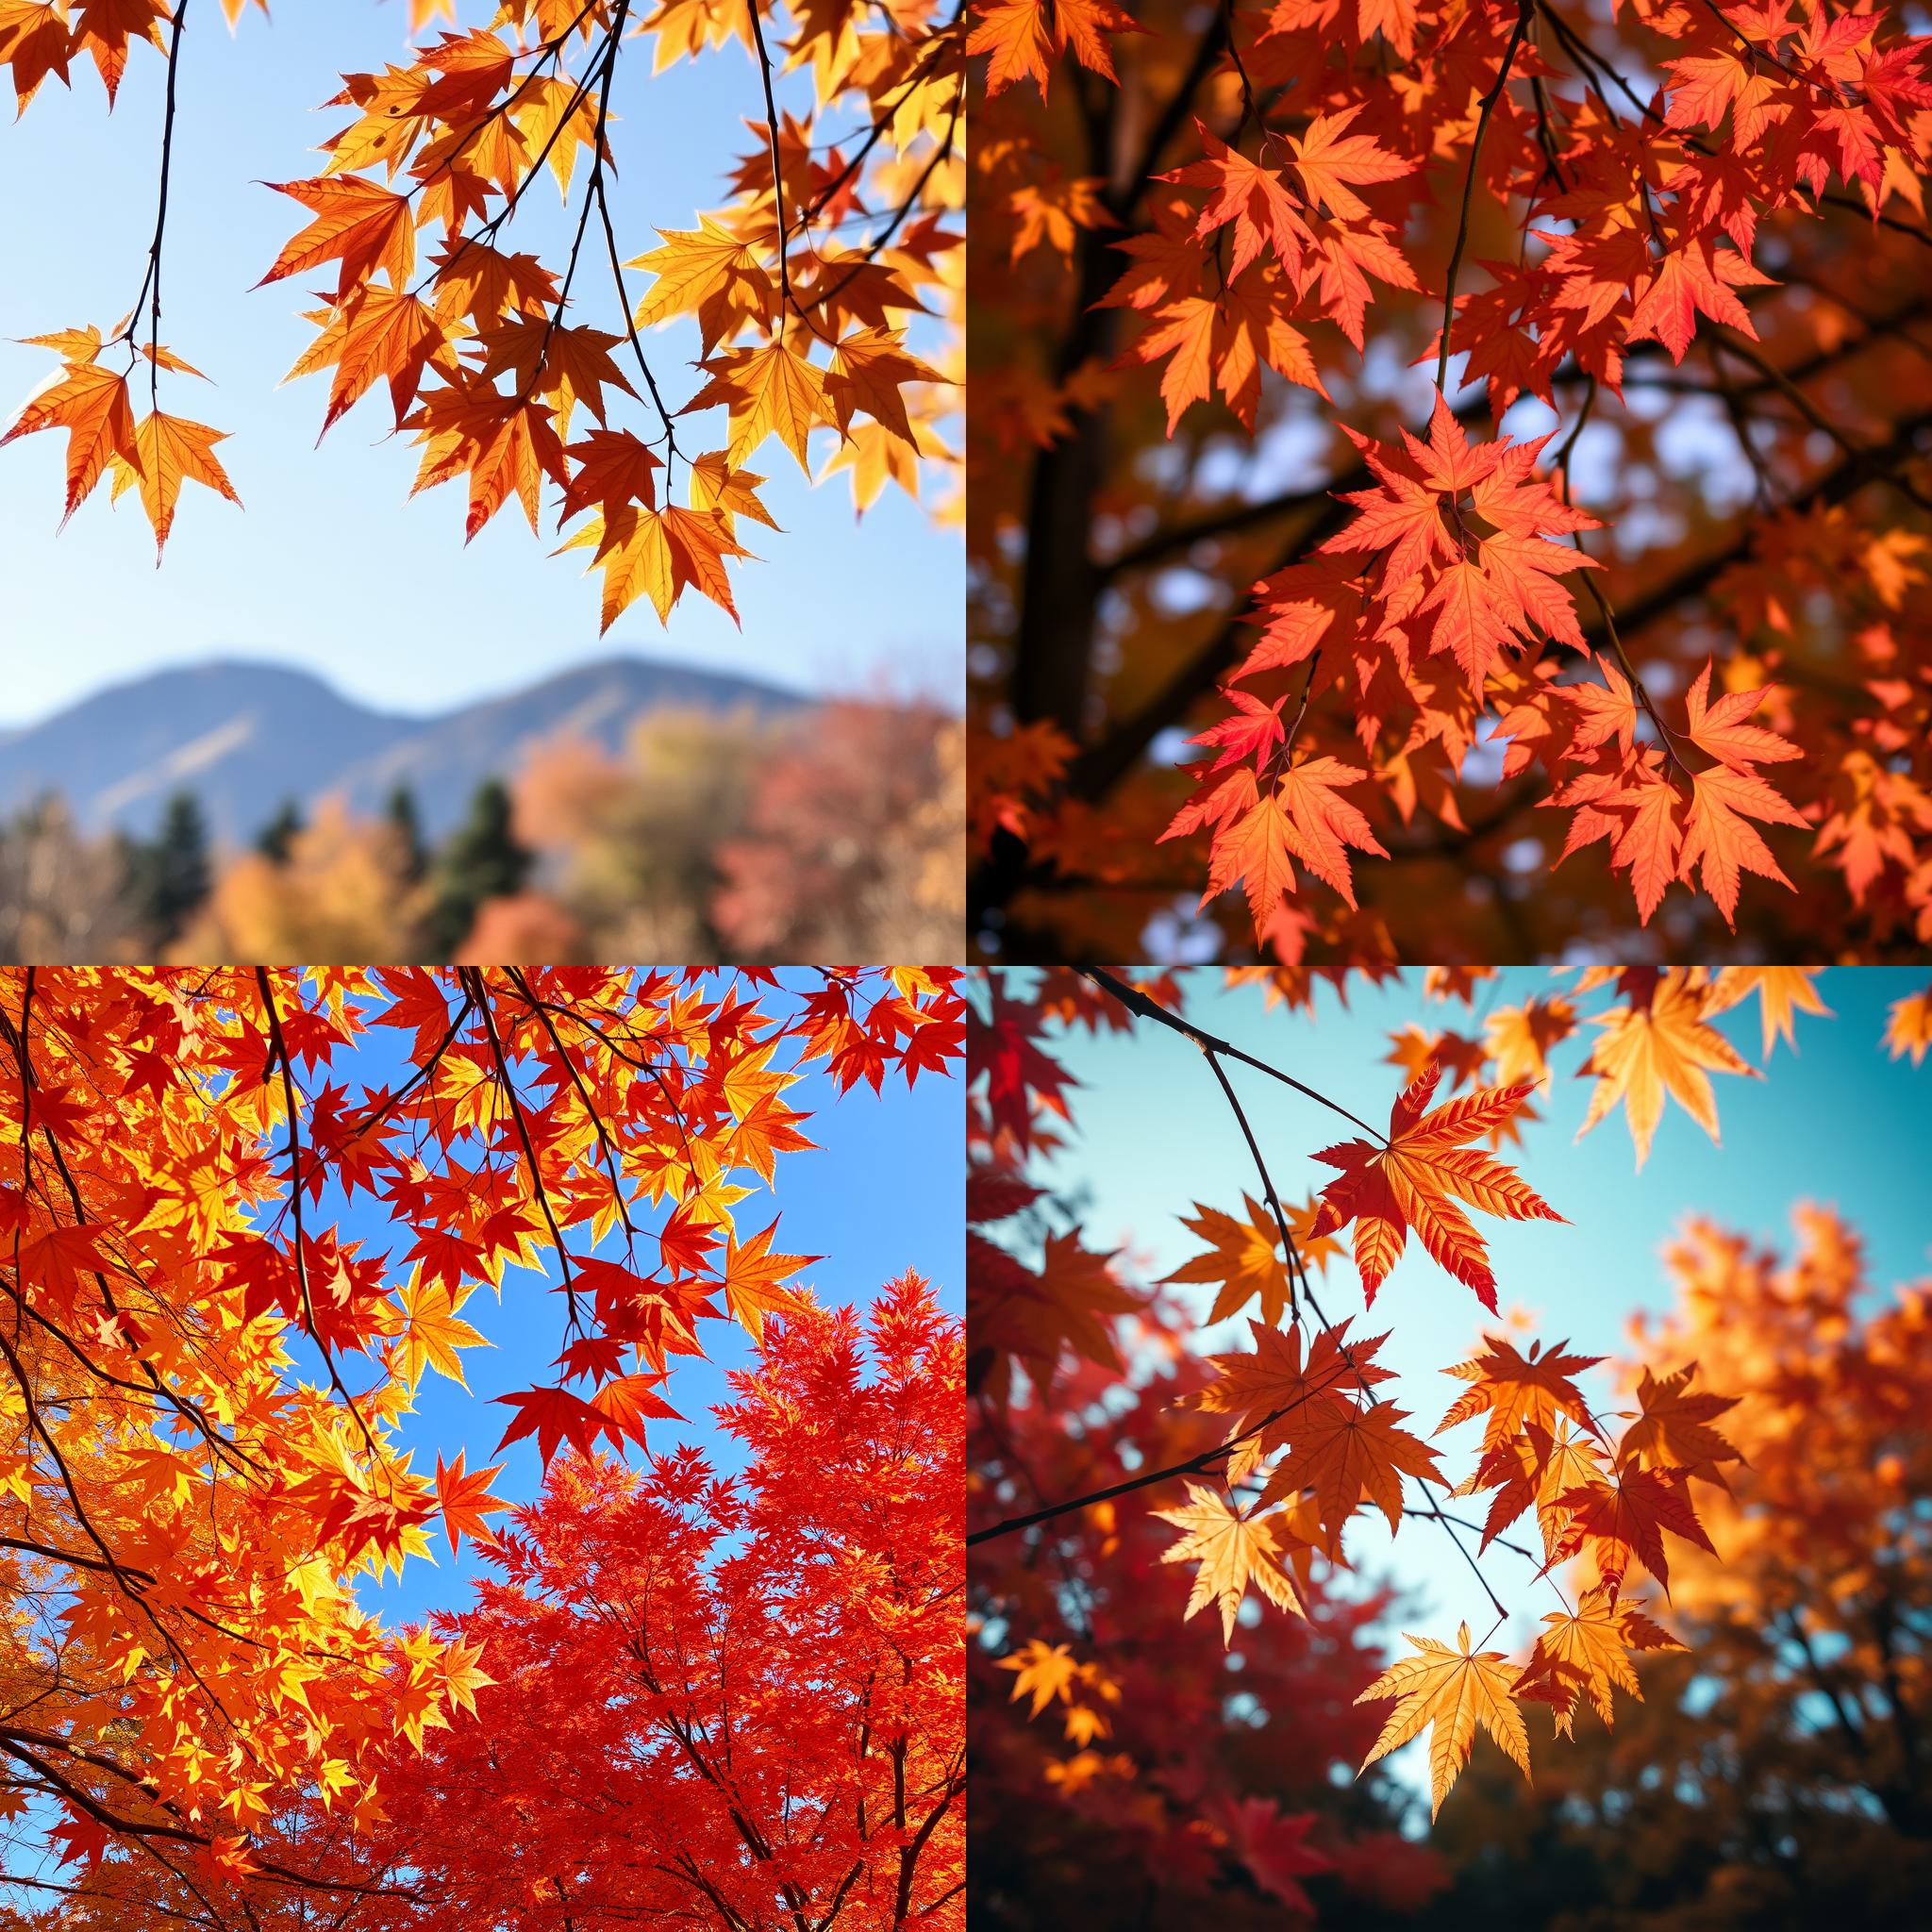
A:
(682, 1651)
(802, 286)
(1274, 206)
(187, 1520)
(1308, 1436)
(1107, 1782)
(1774, 1774)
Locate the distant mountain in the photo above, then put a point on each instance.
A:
(243, 737)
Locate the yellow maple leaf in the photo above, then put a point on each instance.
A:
(433, 1333)
(1232, 1550)
(1454, 1690)
(1647, 1051)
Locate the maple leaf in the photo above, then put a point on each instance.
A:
(1689, 280)
(465, 1500)
(1268, 1390)
(1716, 834)
(1672, 1429)
(1623, 1514)
(1328, 162)
(1452, 1691)
(1258, 834)
(709, 271)
(713, 484)
(565, 364)
(105, 29)
(1241, 1257)
(1344, 1453)
(36, 40)
(626, 1402)
(503, 447)
(1637, 808)
(173, 451)
(92, 405)
(869, 370)
(770, 392)
(1653, 1047)
(1266, 216)
(658, 555)
(753, 1276)
(1468, 531)
(377, 334)
(1586, 1653)
(1322, 824)
(1023, 38)
(1042, 1672)
(1518, 1038)
(433, 1333)
(1253, 850)
(359, 222)
(1232, 1550)
(1513, 1388)
(1909, 1026)
(614, 468)
(1406, 1181)
(554, 1416)
(1783, 992)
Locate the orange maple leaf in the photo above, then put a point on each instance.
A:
(1406, 1181)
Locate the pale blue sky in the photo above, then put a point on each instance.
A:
(333, 566)
(1840, 1124)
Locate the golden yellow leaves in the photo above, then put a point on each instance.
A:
(1232, 1550)
(170, 451)
(1452, 1691)
(1909, 1026)
(1049, 1671)
(1665, 1046)
(710, 273)
(433, 1331)
(776, 387)
(1585, 1652)
(658, 554)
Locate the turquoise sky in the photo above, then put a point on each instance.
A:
(879, 1195)
(1840, 1124)
(333, 566)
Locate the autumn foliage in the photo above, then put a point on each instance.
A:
(1604, 625)
(1106, 1447)
(205, 1379)
(832, 243)
(1773, 1773)
(680, 1650)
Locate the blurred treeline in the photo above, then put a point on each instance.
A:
(837, 835)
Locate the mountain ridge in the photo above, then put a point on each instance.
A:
(243, 734)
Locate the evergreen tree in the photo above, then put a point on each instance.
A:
(176, 877)
(274, 839)
(482, 860)
(407, 823)
(168, 876)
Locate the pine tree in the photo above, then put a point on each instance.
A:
(407, 824)
(274, 839)
(169, 875)
(482, 860)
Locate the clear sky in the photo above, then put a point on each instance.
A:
(879, 1195)
(333, 566)
(1840, 1124)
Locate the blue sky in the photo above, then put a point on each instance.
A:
(333, 566)
(1839, 1122)
(878, 1196)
